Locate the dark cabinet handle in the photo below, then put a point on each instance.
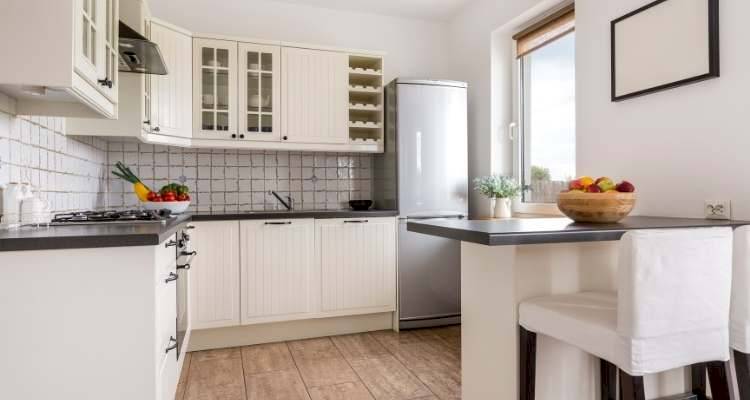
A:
(157, 129)
(189, 253)
(234, 136)
(147, 122)
(285, 137)
(279, 223)
(106, 82)
(242, 136)
(185, 267)
(189, 227)
(171, 278)
(171, 243)
(357, 221)
(173, 346)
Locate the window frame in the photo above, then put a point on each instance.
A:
(517, 135)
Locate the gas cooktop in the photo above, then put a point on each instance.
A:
(110, 217)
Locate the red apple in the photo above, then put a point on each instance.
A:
(576, 184)
(625, 187)
(593, 189)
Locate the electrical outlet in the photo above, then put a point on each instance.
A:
(718, 209)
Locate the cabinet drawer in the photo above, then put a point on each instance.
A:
(166, 319)
(168, 377)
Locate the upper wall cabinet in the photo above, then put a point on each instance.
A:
(169, 96)
(259, 87)
(314, 99)
(215, 89)
(60, 66)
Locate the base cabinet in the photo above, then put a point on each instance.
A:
(215, 275)
(358, 264)
(279, 276)
(261, 271)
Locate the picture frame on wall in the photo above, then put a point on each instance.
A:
(664, 45)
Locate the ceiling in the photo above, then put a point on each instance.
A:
(434, 10)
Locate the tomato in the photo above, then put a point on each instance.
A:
(157, 199)
(169, 197)
(182, 197)
(187, 197)
(151, 196)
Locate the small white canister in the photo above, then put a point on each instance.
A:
(13, 195)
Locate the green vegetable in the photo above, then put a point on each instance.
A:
(175, 188)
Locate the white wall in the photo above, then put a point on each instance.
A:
(679, 147)
(415, 47)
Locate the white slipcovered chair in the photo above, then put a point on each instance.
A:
(740, 315)
(671, 310)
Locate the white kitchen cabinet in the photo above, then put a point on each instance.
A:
(280, 280)
(259, 88)
(357, 257)
(314, 101)
(215, 89)
(170, 96)
(60, 57)
(215, 275)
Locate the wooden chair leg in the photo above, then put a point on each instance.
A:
(718, 378)
(608, 380)
(742, 367)
(631, 387)
(526, 364)
(698, 380)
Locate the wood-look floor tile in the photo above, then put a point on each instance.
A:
(325, 371)
(428, 354)
(185, 367)
(278, 385)
(392, 340)
(313, 348)
(388, 379)
(215, 379)
(358, 346)
(342, 391)
(180, 393)
(267, 358)
(444, 383)
(218, 354)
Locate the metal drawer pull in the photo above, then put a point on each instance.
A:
(189, 227)
(189, 253)
(185, 266)
(357, 221)
(279, 223)
(171, 243)
(173, 346)
(171, 278)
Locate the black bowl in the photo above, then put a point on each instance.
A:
(360, 205)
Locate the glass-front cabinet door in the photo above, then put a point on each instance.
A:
(215, 89)
(259, 84)
(108, 79)
(90, 36)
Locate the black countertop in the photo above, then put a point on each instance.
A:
(294, 214)
(145, 234)
(90, 236)
(518, 231)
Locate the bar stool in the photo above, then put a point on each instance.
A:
(671, 310)
(740, 315)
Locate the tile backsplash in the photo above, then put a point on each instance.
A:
(73, 172)
(69, 172)
(232, 180)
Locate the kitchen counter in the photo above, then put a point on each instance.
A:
(147, 234)
(294, 214)
(90, 236)
(517, 231)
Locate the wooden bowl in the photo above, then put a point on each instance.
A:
(596, 207)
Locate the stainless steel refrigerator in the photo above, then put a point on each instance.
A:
(424, 174)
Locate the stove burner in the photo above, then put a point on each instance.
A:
(108, 216)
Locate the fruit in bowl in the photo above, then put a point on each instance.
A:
(597, 201)
(173, 197)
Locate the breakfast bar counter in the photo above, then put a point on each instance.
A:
(504, 262)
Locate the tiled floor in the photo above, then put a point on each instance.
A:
(413, 365)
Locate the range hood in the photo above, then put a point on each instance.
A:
(138, 54)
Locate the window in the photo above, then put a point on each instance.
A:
(546, 145)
